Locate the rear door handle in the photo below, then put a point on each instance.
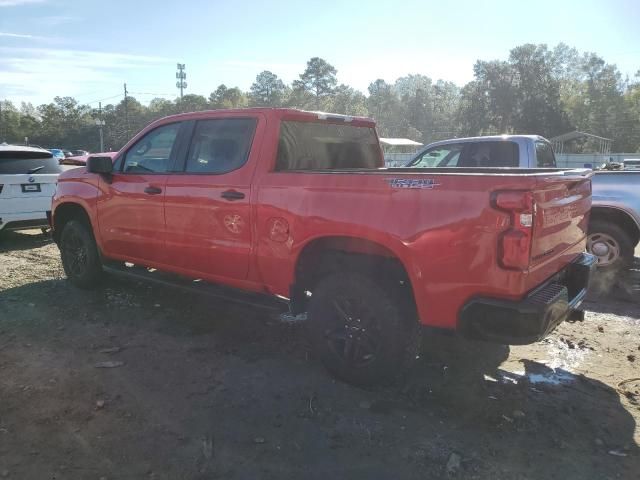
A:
(152, 190)
(232, 195)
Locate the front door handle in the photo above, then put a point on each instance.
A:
(152, 190)
(232, 195)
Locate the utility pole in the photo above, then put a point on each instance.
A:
(1, 140)
(100, 124)
(181, 76)
(126, 111)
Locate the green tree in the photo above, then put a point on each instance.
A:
(384, 106)
(267, 91)
(193, 103)
(597, 103)
(538, 92)
(415, 93)
(9, 123)
(348, 101)
(446, 99)
(161, 107)
(631, 130)
(318, 80)
(472, 116)
(224, 97)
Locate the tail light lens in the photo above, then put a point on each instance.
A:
(514, 245)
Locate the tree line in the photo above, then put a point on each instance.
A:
(536, 90)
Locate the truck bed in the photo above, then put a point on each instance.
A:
(441, 222)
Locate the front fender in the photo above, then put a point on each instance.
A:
(82, 192)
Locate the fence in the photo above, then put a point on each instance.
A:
(570, 160)
(591, 160)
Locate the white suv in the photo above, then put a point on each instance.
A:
(28, 179)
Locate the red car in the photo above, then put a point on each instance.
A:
(297, 206)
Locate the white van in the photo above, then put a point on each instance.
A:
(28, 179)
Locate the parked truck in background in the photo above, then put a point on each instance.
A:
(296, 206)
(614, 229)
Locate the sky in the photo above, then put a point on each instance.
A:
(88, 49)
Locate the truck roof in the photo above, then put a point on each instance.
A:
(489, 138)
(289, 113)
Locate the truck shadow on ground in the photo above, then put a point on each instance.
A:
(245, 382)
(11, 240)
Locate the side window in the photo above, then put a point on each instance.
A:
(490, 154)
(442, 156)
(545, 156)
(220, 145)
(152, 152)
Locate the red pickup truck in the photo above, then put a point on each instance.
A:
(297, 206)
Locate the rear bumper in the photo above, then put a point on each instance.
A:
(538, 314)
(23, 221)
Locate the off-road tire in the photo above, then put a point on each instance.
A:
(80, 257)
(385, 336)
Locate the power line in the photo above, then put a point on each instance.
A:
(102, 99)
(156, 94)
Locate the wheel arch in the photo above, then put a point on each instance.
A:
(619, 217)
(67, 211)
(328, 254)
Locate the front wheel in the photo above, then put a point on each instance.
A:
(79, 252)
(361, 331)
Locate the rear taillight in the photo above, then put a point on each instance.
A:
(514, 245)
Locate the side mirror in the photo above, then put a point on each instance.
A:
(101, 165)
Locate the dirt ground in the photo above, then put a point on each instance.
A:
(132, 381)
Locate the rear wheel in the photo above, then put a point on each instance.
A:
(361, 331)
(611, 245)
(80, 258)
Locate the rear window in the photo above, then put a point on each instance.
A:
(490, 154)
(18, 162)
(544, 155)
(326, 146)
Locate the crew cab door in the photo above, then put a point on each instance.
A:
(207, 203)
(131, 209)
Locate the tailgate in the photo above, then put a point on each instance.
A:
(26, 193)
(562, 205)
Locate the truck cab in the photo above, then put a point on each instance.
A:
(502, 151)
